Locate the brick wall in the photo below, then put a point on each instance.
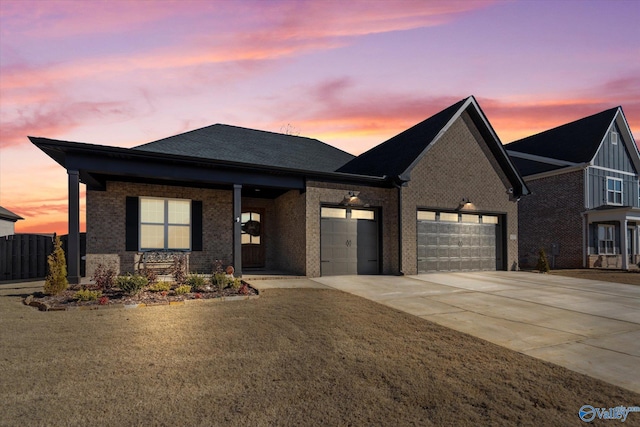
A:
(106, 224)
(383, 198)
(290, 244)
(552, 214)
(458, 165)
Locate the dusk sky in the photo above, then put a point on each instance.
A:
(350, 73)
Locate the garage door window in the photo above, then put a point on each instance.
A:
(333, 213)
(470, 219)
(448, 217)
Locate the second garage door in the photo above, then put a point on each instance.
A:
(348, 241)
(453, 241)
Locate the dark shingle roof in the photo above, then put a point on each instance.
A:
(394, 156)
(8, 215)
(528, 167)
(254, 147)
(576, 142)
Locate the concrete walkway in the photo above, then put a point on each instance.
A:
(587, 326)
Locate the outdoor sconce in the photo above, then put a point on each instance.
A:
(465, 203)
(351, 198)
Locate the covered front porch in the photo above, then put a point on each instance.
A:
(612, 237)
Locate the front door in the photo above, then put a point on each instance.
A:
(253, 253)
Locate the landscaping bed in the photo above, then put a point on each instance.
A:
(116, 297)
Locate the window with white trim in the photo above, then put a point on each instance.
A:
(614, 138)
(606, 239)
(165, 224)
(614, 191)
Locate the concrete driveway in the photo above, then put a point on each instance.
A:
(587, 326)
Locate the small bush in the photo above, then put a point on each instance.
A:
(132, 284)
(235, 283)
(196, 281)
(104, 300)
(160, 287)
(244, 289)
(56, 280)
(184, 289)
(87, 295)
(104, 277)
(543, 263)
(219, 280)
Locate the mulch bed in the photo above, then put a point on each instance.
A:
(116, 297)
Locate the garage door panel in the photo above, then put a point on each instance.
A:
(444, 245)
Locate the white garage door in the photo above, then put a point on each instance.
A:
(453, 241)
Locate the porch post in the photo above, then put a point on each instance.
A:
(73, 242)
(624, 244)
(237, 229)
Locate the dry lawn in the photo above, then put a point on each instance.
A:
(300, 357)
(617, 276)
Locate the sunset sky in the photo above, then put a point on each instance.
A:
(350, 73)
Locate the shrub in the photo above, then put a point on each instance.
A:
(543, 263)
(104, 300)
(132, 284)
(179, 269)
(87, 295)
(235, 283)
(219, 280)
(56, 280)
(196, 281)
(184, 289)
(244, 289)
(160, 287)
(104, 277)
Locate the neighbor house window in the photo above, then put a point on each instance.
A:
(165, 224)
(614, 138)
(606, 239)
(614, 191)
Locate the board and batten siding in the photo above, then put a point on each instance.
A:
(612, 157)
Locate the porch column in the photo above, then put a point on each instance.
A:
(73, 242)
(237, 229)
(624, 244)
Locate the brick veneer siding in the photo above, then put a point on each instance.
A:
(383, 198)
(552, 214)
(106, 224)
(458, 165)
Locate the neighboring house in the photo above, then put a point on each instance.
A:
(584, 209)
(437, 197)
(7, 222)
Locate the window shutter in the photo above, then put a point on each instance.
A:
(132, 221)
(196, 225)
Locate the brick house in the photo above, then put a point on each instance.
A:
(440, 196)
(584, 209)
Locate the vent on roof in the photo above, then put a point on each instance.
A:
(614, 138)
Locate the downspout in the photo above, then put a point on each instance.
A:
(399, 183)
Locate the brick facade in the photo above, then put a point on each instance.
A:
(106, 224)
(540, 227)
(385, 199)
(458, 165)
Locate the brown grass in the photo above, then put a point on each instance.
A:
(618, 276)
(292, 357)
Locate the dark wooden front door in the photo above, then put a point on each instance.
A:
(252, 238)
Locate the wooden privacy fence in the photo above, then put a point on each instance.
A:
(24, 256)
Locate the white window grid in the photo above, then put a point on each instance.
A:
(614, 191)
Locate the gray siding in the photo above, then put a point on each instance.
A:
(614, 156)
(597, 194)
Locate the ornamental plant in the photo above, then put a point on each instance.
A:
(56, 280)
(87, 295)
(196, 281)
(543, 263)
(132, 285)
(104, 277)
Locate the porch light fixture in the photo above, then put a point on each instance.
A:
(351, 198)
(465, 203)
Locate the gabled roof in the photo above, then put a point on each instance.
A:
(576, 142)
(6, 214)
(253, 147)
(396, 157)
(572, 144)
